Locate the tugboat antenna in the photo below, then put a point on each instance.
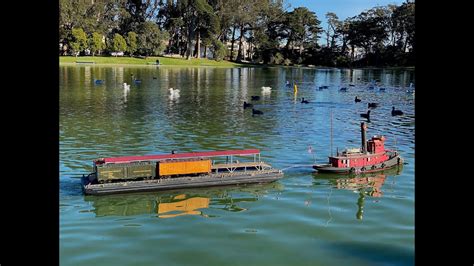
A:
(331, 132)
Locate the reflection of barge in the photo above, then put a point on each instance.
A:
(206, 202)
(373, 157)
(177, 170)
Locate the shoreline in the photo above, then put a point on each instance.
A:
(180, 62)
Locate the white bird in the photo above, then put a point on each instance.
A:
(174, 93)
(126, 87)
(266, 90)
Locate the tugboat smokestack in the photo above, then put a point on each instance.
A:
(363, 128)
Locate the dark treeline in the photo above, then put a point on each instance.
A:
(258, 31)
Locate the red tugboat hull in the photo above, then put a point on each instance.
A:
(394, 160)
(371, 157)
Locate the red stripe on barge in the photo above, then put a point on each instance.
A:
(128, 159)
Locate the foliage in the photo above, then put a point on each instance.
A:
(219, 50)
(119, 44)
(255, 30)
(79, 41)
(151, 41)
(95, 43)
(132, 42)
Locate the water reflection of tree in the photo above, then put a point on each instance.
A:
(210, 107)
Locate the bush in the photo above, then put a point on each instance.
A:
(276, 59)
(219, 50)
(342, 61)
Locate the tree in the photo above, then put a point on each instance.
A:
(332, 32)
(79, 41)
(302, 29)
(132, 42)
(119, 44)
(95, 43)
(219, 50)
(151, 41)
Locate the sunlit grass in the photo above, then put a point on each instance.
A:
(150, 60)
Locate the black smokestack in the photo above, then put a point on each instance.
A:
(363, 128)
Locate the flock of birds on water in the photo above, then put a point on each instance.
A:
(175, 93)
(370, 105)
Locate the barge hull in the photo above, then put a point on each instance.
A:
(181, 182)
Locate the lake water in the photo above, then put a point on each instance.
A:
(303, 219)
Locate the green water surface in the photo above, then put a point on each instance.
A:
(303, 219)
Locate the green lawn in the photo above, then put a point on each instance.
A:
(167, 61)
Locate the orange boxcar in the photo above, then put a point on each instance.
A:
(184, 167)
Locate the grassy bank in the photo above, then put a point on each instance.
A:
(166, 61)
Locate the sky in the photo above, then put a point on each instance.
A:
(342, 8)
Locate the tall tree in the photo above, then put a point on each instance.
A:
(119, 44)
(302, 29)
(332, 32)
(79, 41)
(151, 41)
(96, 43)
(132, 42)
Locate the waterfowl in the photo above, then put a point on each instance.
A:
(343, 89)
(126, 87)
(304, 101)
(367, 115)
(174, 93)
(382, 89)
(372, 105)
(351, 85)
(154, 77)
(98, 81)
(246, 105)
(396, 112)
(266, 90)
(256, 112)
(357, 100)
(255, 98)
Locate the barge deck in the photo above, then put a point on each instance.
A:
(213, 179)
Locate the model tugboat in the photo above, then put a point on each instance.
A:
(372, 157)
(176, 171)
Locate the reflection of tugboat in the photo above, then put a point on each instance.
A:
(371, 184)
(365, 184)
(371, 158)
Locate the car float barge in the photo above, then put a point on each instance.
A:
(372, 157)
(177, 171)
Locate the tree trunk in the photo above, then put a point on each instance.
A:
(205, 51)
(287, 47)
(239, 54)
(198, 45)
(232, 45)
(352, 52)
(327, 37)
(190, 47)
(343, 48)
